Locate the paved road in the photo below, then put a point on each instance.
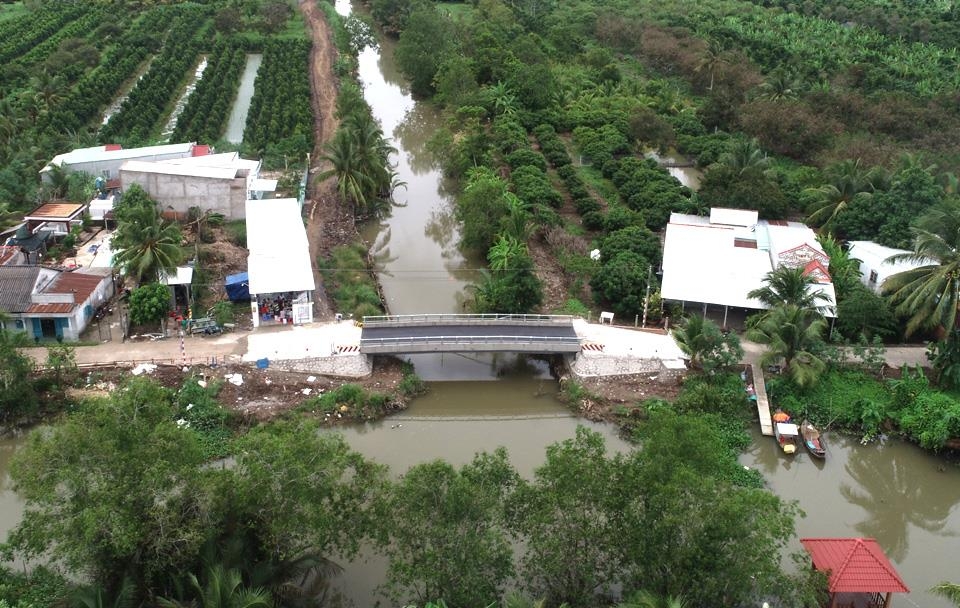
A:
(375, 338)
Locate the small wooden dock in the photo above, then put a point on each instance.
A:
(763, 405)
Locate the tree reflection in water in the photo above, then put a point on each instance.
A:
(898, 488)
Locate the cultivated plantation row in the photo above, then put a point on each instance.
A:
(63, 63)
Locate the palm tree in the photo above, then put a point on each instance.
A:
(353, 184)
(223, 589)
(95, 596)
(948, 591)
(145, 245)
(930, 294)
(786, 285)
(781, 85)
(792, 333)
(844, 269)
(692, 337)
(744, 156)
(848, 182)
(713, 58)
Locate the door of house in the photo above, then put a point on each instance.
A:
(48, 328)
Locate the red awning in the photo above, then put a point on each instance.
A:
(855, 565)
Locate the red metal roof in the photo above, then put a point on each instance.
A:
(112, 147)
(818, 271)
(58, 210)
(79, 284)
(200, 150)
(855, 565)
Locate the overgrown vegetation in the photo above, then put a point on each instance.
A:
(349, 282)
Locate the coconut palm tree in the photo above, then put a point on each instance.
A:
(145, 245)
(848, 182)
(948, 591)
(223, 589)
(711, 61)
(781, 85)
(792, 334)
(844, 269)
(744, 156)
(786, 285)
(645, 599)
(692, 337)
(930, 294)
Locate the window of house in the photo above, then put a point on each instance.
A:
(873, 276)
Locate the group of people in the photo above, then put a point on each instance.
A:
(279, 308)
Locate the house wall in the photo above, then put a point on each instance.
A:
(177, 193)
(110, 168)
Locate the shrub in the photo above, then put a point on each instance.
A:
(526, 156)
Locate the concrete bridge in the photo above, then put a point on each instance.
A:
(455, 333)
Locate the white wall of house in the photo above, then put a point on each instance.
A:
(178, 193)
(874, 267)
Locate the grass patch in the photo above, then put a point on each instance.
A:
(349, 281)
(12, 11)
(457, 10)
(237, 232)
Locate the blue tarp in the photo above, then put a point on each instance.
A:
(238, 287)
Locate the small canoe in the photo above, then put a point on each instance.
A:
(812, 440)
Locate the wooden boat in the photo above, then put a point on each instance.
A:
(812, 440)
(786, 434)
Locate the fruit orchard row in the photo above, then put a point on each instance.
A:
(280, 121)
(206, 114)
(118, 64)
(20, 35)
(149, 102)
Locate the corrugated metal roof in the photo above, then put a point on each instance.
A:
(55, 210)
(279, 258)
(188, 170)
(8, 254)
(855, 565)
(79, 284)
(100, 153)
(16, 286)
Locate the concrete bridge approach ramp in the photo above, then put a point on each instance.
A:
(453, 333)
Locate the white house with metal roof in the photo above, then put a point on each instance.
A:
(220, 183)
(718, 260)
(105, 161)
(875, 267)
(279, 271)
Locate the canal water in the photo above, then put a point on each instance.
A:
(238, 114)
(184, 98)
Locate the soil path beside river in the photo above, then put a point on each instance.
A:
(328, 222)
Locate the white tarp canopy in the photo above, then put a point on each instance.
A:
(183, 276)
(279, 259)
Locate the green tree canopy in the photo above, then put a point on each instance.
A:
(450, 541)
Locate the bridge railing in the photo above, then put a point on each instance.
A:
(465, 319)
(410, 344)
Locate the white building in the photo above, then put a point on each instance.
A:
(278, 266)
(105, 161)
(718, 260)
(874, 265)
(220, 183)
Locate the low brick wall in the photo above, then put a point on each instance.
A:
(353, 365)
(586, 366)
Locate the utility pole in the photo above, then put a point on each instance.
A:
(646, 298)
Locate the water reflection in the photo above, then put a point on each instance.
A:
(413, 133)
(896, 496)
(892, 491)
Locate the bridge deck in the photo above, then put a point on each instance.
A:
(487, 336)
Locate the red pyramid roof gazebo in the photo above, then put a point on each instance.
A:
(859, 572)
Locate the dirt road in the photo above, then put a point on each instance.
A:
(328, 224)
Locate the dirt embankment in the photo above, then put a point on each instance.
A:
(329, 223)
